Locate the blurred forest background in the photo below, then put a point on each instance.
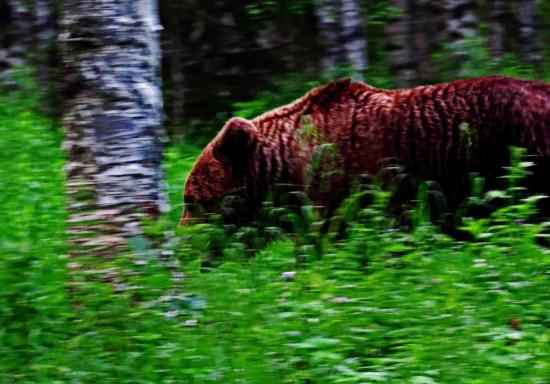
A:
(87, 108)
(216, 54)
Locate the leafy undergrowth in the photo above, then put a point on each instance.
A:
(371, 305)
(33, 308)
(179, 161)
(378, 305)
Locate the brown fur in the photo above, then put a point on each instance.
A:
(437, 132)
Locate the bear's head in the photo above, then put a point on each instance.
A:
(220, 171)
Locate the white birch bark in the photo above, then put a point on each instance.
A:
(401, 48)
(353, 37)
(462, 23)
(113, 119)
(328, 14)
(342, 36)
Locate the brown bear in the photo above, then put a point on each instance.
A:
(437, 132)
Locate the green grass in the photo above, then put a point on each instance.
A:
(33, 303)
(379, 306)
(374, 306)
(178, 162)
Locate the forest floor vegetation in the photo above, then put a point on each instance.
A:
(376, 305)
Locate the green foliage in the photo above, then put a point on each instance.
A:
(270, 8)
(364, 304)
(476, 61)
(376, 305)
(33, 306)
(177, 159)
(284, 91)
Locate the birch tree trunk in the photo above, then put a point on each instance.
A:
(29, 39)
(328, 23)
(427, 24)
(462, 23)
(401, 50)
(342, 36)
(497, 28)
(22, 26)
(112, 119)
(528, 49)
(353, 38)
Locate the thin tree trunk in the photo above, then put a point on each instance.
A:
(231, 34)
(342, 36)
(112, 119)
(231, 45)
(353, 38)
(462, 24)
(30, 41)
(328, 23)
(528, 49)
(427, 27)
(401, 48)
(22, 28)
(497, 27)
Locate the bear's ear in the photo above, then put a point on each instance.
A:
(236, 142)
